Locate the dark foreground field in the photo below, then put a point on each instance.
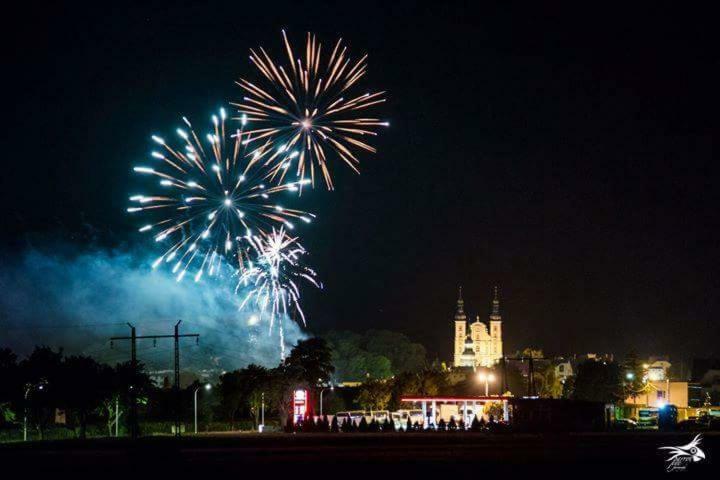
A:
(360, 455)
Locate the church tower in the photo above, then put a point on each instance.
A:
(496, 328)
(460, 329)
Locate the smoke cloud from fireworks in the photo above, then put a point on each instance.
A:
(77, 299)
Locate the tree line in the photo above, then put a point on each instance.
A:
(35, 389)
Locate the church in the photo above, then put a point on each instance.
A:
(478, 347)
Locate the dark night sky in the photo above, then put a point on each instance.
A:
(563, 154)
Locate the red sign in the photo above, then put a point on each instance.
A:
(300, 405)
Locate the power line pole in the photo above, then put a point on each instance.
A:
(531, 390)
(176, 384)
(134, 430)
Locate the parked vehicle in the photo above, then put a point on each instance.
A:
(647, 418)
(378, 415)
(624, 424)
(353, 415)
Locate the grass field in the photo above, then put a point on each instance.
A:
(364, 455)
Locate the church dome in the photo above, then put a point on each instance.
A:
(469, 346)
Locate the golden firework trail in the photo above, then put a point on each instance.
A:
(212, 199)
(308, 105)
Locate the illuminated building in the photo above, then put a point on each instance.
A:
(478, 347)
(660, 393)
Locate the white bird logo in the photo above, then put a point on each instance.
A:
(680, 456)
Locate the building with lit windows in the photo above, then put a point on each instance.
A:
(479, 344)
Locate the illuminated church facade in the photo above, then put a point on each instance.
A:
(480, 344)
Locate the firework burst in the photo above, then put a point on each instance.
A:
(212, 199)
(271, 282)
(308, 105)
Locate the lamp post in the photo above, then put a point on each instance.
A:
(28, 388)
(332, 388)
(262, 412)
(195, 395)
(487, 378)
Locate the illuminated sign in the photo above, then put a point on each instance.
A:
(300, 400)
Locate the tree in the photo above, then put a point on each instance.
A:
(531, 352)
(404, 355)
(231, 399)
(495, 409)
(599, 382)
(10, 386)
(547, 383)
(374, 395)
(130, 383)
(255, 381)
(431, 382)
(241, 392)
(311, 361)
(82, 387)
(289, 425)
(403, 384)
(377, 354)
(476, 425)
(41, 368)
(568, 388)
(633, 376)
(374, 426)
(363, 426)
(388, 426)
(516, 383)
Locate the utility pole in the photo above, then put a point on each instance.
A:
(531, 391)
(504, 375)
(134, 428)
(117, 414)
(531, 378)
(133, 388)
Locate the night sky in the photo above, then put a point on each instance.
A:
(565, 155)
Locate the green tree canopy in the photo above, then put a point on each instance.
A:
(374, 354)
(311, 361)
(374, 395)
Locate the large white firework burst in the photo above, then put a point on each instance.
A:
(210, 199)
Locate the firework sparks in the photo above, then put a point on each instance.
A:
(271, 283)
(212, 199)
(308, 105)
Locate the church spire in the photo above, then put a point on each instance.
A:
(460, 312)
(495, 303)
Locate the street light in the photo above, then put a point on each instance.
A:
(261, 427)
(487, 378)
(206, 387)
(630, 376)
(332, 388)
(28, 388)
